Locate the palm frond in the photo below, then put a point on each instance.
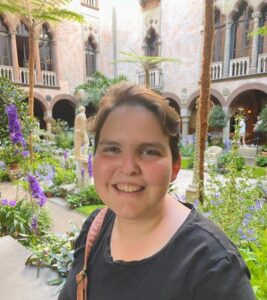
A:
(57, 15)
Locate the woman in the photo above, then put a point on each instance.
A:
(151, 246)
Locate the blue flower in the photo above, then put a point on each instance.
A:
(2, 165)
(90, 165)
(4, 202)
(12, 203)
(36, 190)
(34, 223)
(14, 126)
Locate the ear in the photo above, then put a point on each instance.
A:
(176, 168)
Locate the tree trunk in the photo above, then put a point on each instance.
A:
(147, 81)
(205, 90)
(31, 84)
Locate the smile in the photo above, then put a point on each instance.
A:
(128, 188)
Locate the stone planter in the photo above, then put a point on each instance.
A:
(14, 171)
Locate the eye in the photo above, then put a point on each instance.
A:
(111, 150)
(150, 152)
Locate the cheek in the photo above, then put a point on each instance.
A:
(102, 168)
(159, 172)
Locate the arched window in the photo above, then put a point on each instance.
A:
(46, 49)
(5, 45)
(219, 37)
(23, 45)
(151, 43)
(242, 26)
(90, 55)
(263, 39)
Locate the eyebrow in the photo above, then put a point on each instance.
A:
(142, 145)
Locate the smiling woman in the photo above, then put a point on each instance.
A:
(151, 246)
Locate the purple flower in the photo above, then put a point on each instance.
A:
(2, 165)
(12, 203)
(14, 126)
(4, 202)
(90, 165)
(34, 223)
(82, 172)
(36, 190)
(196, 203)
(65, 154)
(25, 153)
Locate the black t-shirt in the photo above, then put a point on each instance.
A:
(198, 263)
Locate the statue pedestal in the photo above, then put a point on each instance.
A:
(82, 173)
(191, 194)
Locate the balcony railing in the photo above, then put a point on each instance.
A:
(155, 78)
(90, 3)
(7, 71)
(262, 63)
(24, 75)
(49, 78)
(239, 66)
(216, 70)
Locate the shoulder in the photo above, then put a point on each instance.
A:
(81, 240)
(206, 241)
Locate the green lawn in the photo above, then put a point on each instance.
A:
(257, 171)
(88, 209)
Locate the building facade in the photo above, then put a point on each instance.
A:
(69, 53)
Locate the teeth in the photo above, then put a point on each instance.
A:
(128, 188)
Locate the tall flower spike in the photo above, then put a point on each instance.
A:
(14, 125)
(36, 190)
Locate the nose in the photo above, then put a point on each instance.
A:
(130, 165)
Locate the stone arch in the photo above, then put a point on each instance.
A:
(40, 98)
(262, 6)
(57, 98)
(91, 37)
(7, 21)
(213, 93)
(238, 8)
(174, 97)
(50, 29)
(244, 88)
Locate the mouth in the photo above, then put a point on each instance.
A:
(128, 188)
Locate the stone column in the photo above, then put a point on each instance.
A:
(15, 56)
(255, 44)
(185, 127)
(226, 129)
(38, 76)
(227, 48)
(55, 61)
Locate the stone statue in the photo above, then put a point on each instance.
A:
(81, 141)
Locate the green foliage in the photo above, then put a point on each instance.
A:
(37, 11)
(263, 118)
(16, 220)
(12, 94)
(217, 117)
(86, 196)
(63, 175)
(65, 140)
(97, 87)
(226, 158)
(187, 153)
(255, 256)
(261, 160)
(88, 209)
(260, 31)
(233, 202)
(56, 252)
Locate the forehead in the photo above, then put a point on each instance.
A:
(134, 119)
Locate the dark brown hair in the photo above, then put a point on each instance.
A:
(127, 94)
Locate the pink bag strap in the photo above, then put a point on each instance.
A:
(81, 277)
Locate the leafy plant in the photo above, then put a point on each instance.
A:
(227, 158)
(217, 117)
(255, 256)
(233, 203)
(56, 252)
(261, 160)
(97, 86)
(263, 118)
(16, 218)
(64, 140)
(86, 196)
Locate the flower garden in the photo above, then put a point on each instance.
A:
(234, 201)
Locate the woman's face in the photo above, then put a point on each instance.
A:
(133, 163)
